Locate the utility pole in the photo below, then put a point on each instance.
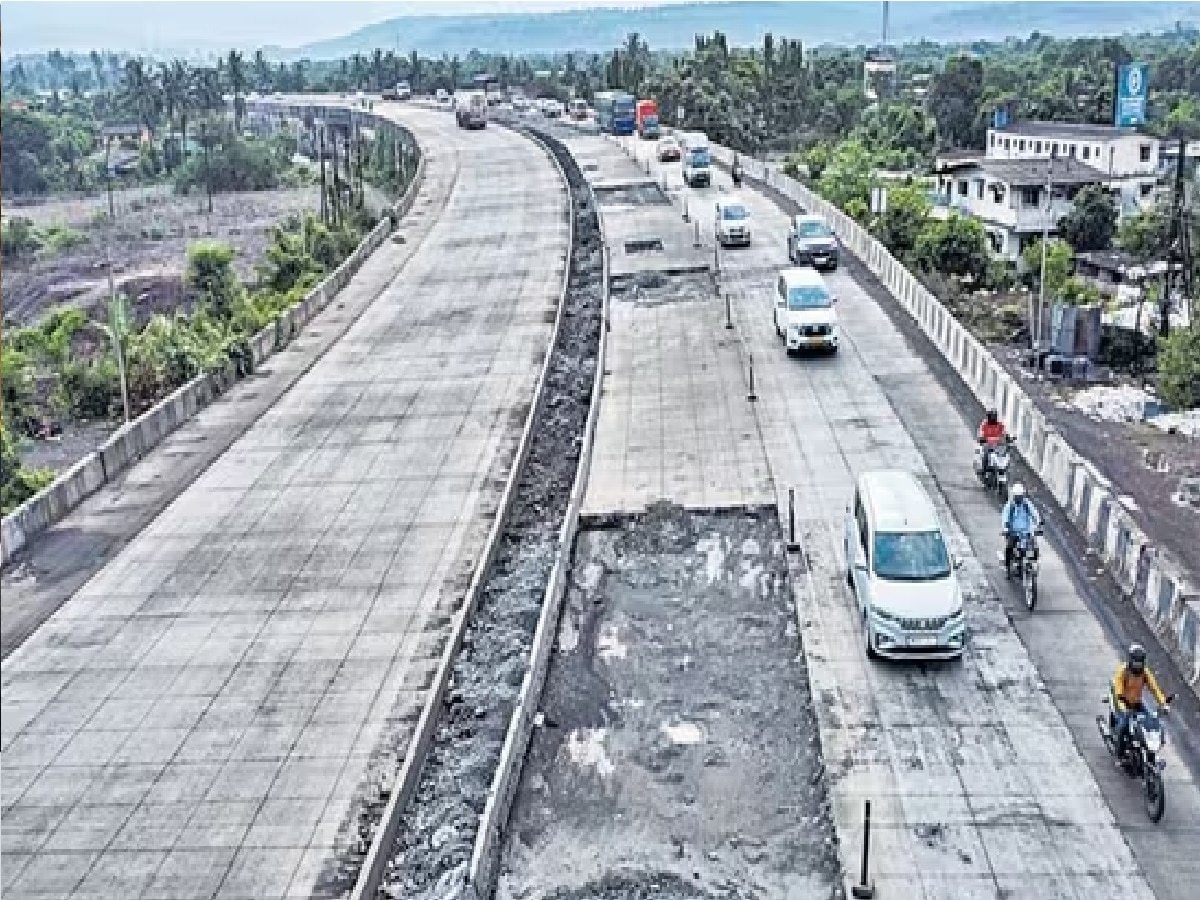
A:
(207, 164)
(1178, 249)
(1035, 330)
(118, 325)
(324, 198)
(112, 211)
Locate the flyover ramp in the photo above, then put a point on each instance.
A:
(1015, 724)
(199, 717)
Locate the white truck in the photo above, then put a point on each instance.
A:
(697, 161)
(470, 109)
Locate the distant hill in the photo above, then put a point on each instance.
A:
(672, 27)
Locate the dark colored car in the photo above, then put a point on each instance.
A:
(811, 242)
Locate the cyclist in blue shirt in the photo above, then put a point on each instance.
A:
(1019, 517)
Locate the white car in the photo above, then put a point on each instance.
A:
(901, 571)
(804, 315)
(732, 222)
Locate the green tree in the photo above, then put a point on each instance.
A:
(1144, 236)
(956, 246)
(17, 483)
(1059, 263)
(1179, 367)
(901, 223)
(1092, 221)
(954, 102)
(211, 278)
(235, 76)
(846, 180)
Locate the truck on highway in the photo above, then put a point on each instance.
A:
(646, 118)
(697, 162)
(470, 109)
(615, 112)
(401, 90)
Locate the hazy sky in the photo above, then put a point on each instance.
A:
(38, 25)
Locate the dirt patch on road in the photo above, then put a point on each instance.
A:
(679, 754)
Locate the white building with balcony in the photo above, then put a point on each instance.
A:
(1128, 159)
(1008, 196)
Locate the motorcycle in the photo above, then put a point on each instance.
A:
(1023, 563)
(994, 475)
(1143, 756)
(736, 174)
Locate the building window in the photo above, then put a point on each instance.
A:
(1054, 148)
(979, 190)
(1031, 196)
(1144, 152)
(1021, 145)
(1071, 151)
(1146, 189)
(962, 189)
(1007, 144)
(1096, 150)
(1087, 152)
(992, 136)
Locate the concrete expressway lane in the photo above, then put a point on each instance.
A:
(987, 777)
(197, 719)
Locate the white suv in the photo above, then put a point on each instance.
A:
(732, 224)
(804, 313)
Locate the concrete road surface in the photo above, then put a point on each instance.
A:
(198, 718)
(987, 775)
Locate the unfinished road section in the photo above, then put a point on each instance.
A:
(987, 776)
(674, 752)
(203, 717)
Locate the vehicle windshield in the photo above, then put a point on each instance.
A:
(911, 556)
(698, 156)
(809, 297)
(734, 213)
(813, 230)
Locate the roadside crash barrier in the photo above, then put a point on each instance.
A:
(139, 436)
(1155, 584)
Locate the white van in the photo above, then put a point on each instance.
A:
(804, 315)
(697, 160)
(901, 571)
(732, 223)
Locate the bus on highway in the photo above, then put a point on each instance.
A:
(615, 112)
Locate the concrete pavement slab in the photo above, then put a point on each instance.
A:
(321, 557)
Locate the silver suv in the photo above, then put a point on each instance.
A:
(811, 242)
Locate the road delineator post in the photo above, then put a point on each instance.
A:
(865, 889)
(751, 395)
(696, 239)
(728, 313)
(685, 209)
(792, 545)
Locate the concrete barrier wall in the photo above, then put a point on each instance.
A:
(135, 439)
(1153, 583)
(485, 857)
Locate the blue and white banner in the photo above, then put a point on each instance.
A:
(1133, 87)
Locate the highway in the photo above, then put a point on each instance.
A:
(201, 705)
(200, 717)
(989, 775)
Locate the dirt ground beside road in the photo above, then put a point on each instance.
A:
(148, 245)
(679, 756)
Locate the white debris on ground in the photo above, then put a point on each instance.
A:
(1125, 403)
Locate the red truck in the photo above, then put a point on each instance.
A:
(646, 119)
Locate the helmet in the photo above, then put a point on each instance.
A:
(993, 417)
(1017, 491)
(1136, 658)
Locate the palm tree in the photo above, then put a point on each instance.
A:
(377, 68)
(178, 97)
(235, 75)
(262, 71)
(414, 71)
(139, 91)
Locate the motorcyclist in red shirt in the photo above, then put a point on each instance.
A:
(991, 433)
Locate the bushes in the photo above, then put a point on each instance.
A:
(235, 165)
(17, 483)
(21, 240)
(1179, 368)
